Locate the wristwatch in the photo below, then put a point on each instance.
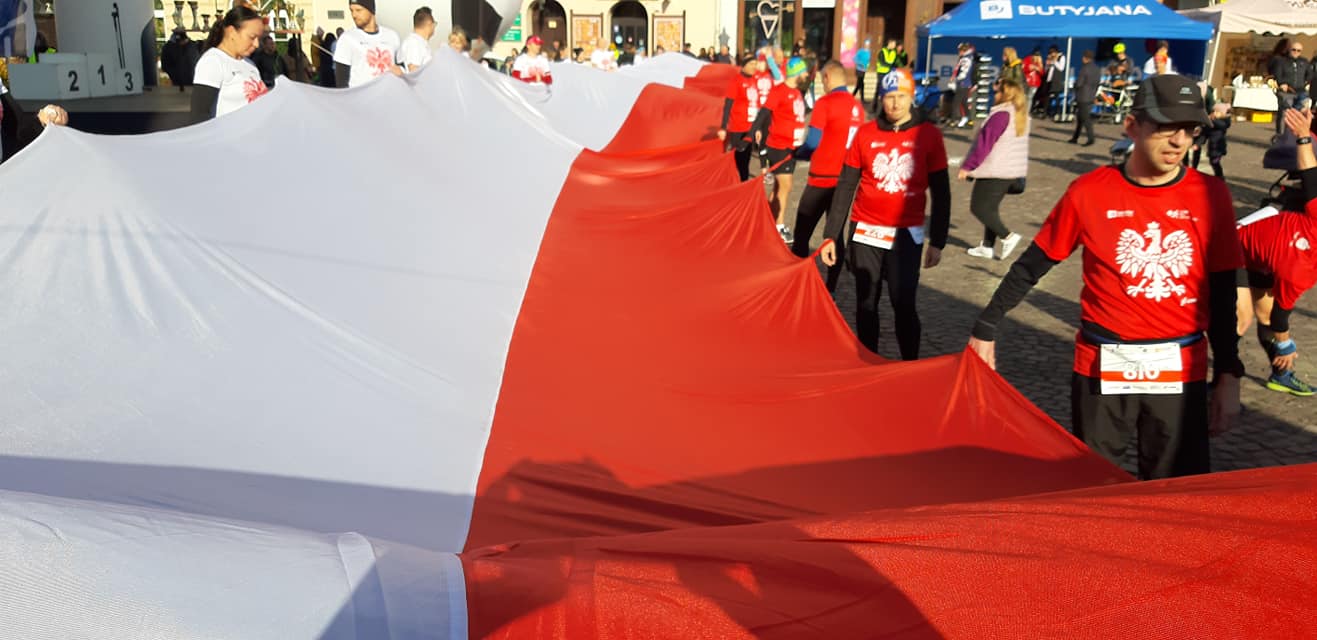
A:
(1304, 140)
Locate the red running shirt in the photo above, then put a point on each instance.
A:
(839, 116)
(744, 94)
(1281, 245)
(894, 168)
(787, 130)
(1147, 255)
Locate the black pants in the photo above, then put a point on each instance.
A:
(743, 153)
(1215, 161)
(1042, 98)
(1083, 121)
(814, 203)
(1170, 430)
(859, 85)
(963, 107)
(985, 204)
(899, 268)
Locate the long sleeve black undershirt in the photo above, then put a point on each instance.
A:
(204, 101)
(727, 113)
(939, 184)
(1023, 276)
(1222, 323)
(761, 124)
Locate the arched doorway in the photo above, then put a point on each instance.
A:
(549, 22)
(630, 24)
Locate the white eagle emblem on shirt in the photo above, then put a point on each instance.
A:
(1156, 263)
(893, 170)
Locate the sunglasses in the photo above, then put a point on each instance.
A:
(1297, 50)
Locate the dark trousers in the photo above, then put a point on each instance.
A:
(814, 203)
(859, 85)
(985, 204)
(963, 107)
(898, 267)
(1170, 431)
(1042, 98)
(742, 155)
(1083, 121)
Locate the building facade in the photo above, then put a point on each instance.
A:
(833, 28)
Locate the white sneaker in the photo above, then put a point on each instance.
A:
(1008, 245)
(962, 122)
(980, 252)
(786, 234)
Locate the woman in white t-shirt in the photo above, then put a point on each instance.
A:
(225, 79)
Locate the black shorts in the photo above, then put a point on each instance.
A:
(1260, 280)
(775, 156)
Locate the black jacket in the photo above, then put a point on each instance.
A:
(1295, 72)
(17, 128)
(1086, 83)
(1216, 137)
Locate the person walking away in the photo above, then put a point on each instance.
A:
(965, 85)
(225, 80)
(862, 59)
(366, 52)
(892, 166)
(902, 58)
(1086, 88)
(724, 55)
(887, 57)
(836, 120)
(740, 108)
(1292, 73)
(415, 52)
(1160, 255)
(532, 67)
(997, 159)
(1282, 264)
(780, 128)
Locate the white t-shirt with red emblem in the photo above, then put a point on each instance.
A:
(238, 80)
(369, 55)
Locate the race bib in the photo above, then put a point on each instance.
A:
(874, 235)
(1141, 368)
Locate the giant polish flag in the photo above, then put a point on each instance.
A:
(451, 356)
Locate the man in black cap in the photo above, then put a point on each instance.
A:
(1160, 255)
(366, 52)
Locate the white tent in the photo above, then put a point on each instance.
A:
(1273, 17)
(1267, 17)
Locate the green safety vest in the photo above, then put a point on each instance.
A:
(886, 59)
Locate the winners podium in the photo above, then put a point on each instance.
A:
(100, 53)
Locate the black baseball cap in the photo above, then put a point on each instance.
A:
(1171, 98)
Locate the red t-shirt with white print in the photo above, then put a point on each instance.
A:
(1148, 252)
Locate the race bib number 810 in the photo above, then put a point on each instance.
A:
(1154, 369)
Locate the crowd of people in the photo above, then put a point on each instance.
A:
(1169, 276)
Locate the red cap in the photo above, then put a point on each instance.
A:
(535, 40)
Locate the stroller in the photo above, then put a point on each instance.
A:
(1117, 102)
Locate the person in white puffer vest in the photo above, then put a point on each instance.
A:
(997, 161)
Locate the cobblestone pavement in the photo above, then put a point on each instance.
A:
(1035, 347)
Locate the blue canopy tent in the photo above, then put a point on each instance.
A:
(1069, 19)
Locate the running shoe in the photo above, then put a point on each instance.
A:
(980, 252)
(786, 234)
(1008, 245)
(1288, 382)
